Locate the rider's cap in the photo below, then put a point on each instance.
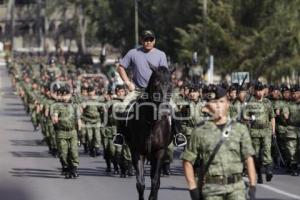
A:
(147, 34)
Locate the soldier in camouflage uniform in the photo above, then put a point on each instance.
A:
(261, 117)
(125, 160)
(223, 179)
(277, 105)
(65, 118)
(50, 104)
(291, 113)
(91, 113)
(32, 101)
(192, 110)
(111, 152)
(83, 133)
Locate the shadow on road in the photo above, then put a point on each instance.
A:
(15, 114)
(14, 104)
(170, 188)
(27, 143)
(30, 154)
(13, 192)
(99, 171)
(19, 110)
(19, 130)
(38, 173)
(43, 173)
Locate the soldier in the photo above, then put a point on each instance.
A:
(223, 178)
(112, 145)
(91, 110)
(277, 105)
(65, 119)
(291, 114)
(53, 71)
(83, 134)
(50, 105)
(192, 110)
(261, 117)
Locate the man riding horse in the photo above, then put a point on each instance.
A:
(142, 60)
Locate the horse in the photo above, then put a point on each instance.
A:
(149, 132)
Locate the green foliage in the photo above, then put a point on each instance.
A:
(262, 37)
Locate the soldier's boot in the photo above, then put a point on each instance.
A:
(295, 170)
(49, 145)
(54, 152)
(74, 173)
(123, 168)
(258, 171)
(64, 170)
(36, 127)
(166, 169)
(92, 152)
(97, 152)
(130, 169)
(269, 173)
(289, 168)
(116, 167)
(85, 148)
(108, 165)
(68, 173)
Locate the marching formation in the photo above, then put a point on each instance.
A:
(68, 105)
(226, 131)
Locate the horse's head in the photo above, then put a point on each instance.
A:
(159, 88)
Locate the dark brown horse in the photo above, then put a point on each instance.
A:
(148, 133)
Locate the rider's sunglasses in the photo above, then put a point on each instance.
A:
(148, 39)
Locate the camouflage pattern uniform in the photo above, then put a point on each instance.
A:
(261, 113)
(228, 162)
(291, 137)
(66, 135)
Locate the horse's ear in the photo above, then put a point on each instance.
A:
(172, 69)
(152, 67)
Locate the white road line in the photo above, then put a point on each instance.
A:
(294, 196)
(278, 191)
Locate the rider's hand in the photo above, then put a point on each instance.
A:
(130, 85)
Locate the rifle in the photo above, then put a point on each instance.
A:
(239, 88)
(278, 150)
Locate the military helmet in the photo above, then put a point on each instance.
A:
(259, 86)
(214, 92)
(284, 88)
(295, 88)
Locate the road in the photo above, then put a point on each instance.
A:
(28, 172)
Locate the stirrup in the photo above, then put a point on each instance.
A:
(118, 143)
(176, 137)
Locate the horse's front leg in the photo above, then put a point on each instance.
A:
(155, 173)
(138, 163)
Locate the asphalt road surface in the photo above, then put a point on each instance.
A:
(27, 172)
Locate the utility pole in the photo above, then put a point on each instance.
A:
(12, 26)
(136, 21)
(40, 23)
(205, 29)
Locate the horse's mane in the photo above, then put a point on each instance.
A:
(161, 74)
